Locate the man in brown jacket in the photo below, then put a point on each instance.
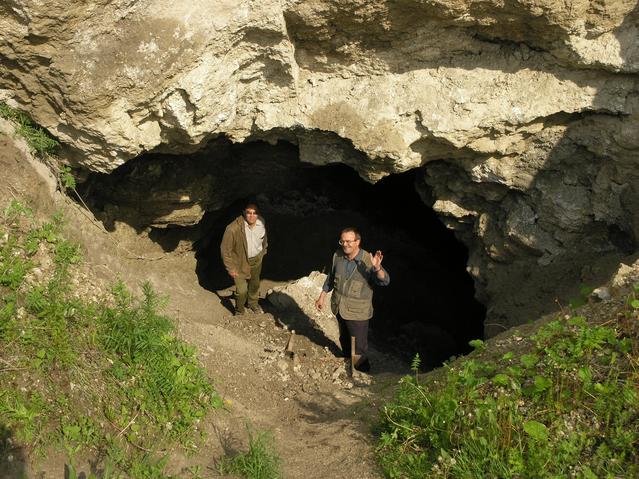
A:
(243, 246)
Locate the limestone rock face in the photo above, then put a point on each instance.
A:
(523, 114)
(405, 81)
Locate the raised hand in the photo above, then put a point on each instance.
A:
(376, 259)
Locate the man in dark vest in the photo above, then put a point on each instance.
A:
(243, 246)
(353, 274)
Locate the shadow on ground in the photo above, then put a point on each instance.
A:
(12, 457)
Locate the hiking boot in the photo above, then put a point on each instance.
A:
(239, 312)
(363, 366)
(257, 309)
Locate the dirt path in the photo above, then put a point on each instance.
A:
(320, 417)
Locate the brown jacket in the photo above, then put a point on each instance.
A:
(234, 248)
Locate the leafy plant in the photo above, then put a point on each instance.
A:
(67, 179)
(16, 209)
(477, 344)
(414, 366)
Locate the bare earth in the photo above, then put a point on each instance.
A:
(320, 417)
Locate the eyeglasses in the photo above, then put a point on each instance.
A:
(343, 242)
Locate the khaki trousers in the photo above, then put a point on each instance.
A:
(248, 288)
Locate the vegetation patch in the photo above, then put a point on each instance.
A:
(38, 139)
(259, 462)
(42, 145)
(569, 407)
(104, 377)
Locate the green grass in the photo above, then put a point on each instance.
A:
(38, 139)
(40, 143)
(259, 462)
(107, 379)
(567, 408)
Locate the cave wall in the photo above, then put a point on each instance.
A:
(522, 114)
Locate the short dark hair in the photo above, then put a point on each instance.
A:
(251, 206)
(353, 230)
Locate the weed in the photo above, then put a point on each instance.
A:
(16, 209)
(195, 471)
(13, 265)
(260, 462)
(415, 364)
(67, 180)
(477, 344)
(24, 412)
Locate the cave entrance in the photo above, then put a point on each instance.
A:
(429, 307)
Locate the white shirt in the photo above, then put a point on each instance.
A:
(254, 237)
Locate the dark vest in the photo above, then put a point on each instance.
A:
(352, 296)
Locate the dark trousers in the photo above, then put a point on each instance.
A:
(359, 329)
